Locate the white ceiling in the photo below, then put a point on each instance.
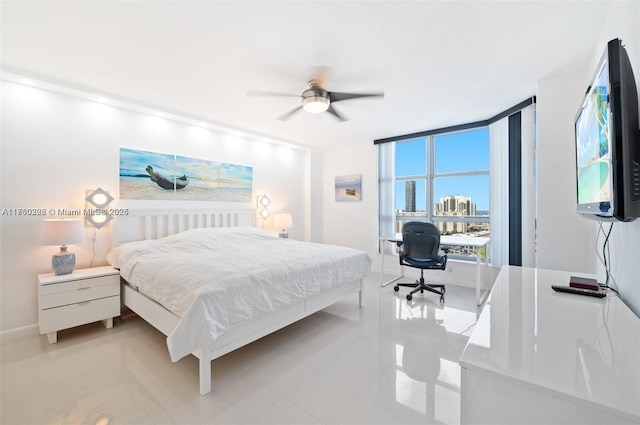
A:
(439, 63)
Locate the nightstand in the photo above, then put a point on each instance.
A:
(84, 296)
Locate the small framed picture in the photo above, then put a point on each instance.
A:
(349, 188)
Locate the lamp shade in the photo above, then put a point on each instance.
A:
(283, 221)
(62, 232)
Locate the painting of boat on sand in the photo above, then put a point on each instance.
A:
(156, 176)
(349, 188)
(136, 182)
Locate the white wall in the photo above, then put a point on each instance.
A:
(351, 223)
(623, 22)
(55, 147)
(563, 242)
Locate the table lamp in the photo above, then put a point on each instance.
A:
(62, 232)
(283, 221)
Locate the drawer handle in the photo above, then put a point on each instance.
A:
(86, 287)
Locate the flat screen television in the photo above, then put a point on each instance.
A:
(607, 138)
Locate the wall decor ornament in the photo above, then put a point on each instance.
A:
(158, 176)
(96, 213)
(349, 188)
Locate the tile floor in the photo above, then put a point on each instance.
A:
(389, 362)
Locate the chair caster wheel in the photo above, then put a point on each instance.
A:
(396, 288)
(409, 297)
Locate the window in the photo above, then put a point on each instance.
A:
(444, 178)
(442, 175)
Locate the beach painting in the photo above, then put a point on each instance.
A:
(349, 188)
(148, 175)
(135, 178)
(214, 181)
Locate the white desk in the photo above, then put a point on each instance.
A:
(449, 241)
(544, 357)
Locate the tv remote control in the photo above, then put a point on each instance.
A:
(579, 291)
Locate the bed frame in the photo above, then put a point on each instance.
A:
(147, 224)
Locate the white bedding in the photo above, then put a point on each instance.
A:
(215, 279)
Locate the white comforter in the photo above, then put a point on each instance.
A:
(215, 279)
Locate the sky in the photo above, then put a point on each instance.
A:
(463, 151)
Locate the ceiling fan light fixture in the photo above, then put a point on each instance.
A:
(315, 100)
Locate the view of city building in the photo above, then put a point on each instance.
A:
(410, 196)
(455, 205)
(451, 205)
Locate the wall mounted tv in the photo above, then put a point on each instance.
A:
(607, 137)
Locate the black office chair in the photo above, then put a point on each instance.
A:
(419, 249)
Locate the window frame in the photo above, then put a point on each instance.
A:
(501, 138)
(430, 178)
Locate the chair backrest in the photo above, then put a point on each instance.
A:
(420, 240)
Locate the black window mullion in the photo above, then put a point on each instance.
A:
(515, 189)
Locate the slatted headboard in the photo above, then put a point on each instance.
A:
(152, 224)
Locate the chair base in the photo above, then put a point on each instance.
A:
(421, 286)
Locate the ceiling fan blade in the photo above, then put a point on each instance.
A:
(337, 96)
(335, 113)
(289, 114)
(268, 93)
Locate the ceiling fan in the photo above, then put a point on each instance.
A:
(316, 99)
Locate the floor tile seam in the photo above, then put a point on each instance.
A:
(354, 394)
(336, 359)
(391, 377)
(364, 399)
(154, 408)
(376, 370)
(81, 415)
(299, 406)
(68, 377)
(269, 386)
(430, 392)
(379, 372)
(246, 376)
(147, 414)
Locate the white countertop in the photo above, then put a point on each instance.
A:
(583, 349)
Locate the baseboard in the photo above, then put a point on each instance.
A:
(19, 332)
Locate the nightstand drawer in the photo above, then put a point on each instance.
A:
(76, 291)
(68, 316)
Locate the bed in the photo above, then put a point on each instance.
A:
(212, 282)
